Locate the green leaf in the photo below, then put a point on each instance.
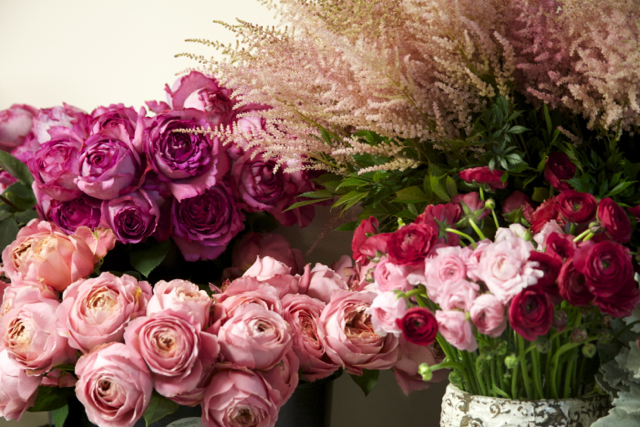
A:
(367, 381)
(452, 189)
(619, 188)
(26, 216)
(438, 190)
(411, 195)
(8, 231)
(547, 118)
(59, 416)
(147, 256)
(345, 198)
(320, 194)
(50, 399)
(352, 182)
(353, 201)
(540, 194)
(305, 203)
(517, 130)
(159, 407)
(15, 168)
(21, 195)
(326, 136)
(350, 226)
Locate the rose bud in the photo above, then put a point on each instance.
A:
(572, 285)
(114, 115)
(18, 390)
(97, 311)
(132, 217)
(483, 175)
(577, 207)
(72, 214)
(614, 220)
(418, 326)
(531, 314)
(411, 243)
(282, 378)
(15, 125)
(456, 329)
(114, 385)
(517, 206)
(180, 295)
(66, 116)
(606, 266)
(253, 245)
(558, 168)
(487, 313)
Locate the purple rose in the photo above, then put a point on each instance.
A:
(66, 116)
(202, 226)
(15, 125)
(132, 218)
(70, 214)
(55, 165)
(114, 115)
(109, 166)
(189, 162)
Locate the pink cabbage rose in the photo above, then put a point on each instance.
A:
(282, 378)
(385, 310)
(321, 282)
(15, 125)
(18, 390)
(132, 217)
(181, 295)
(113, 116)
(487, 314)
(66, 116)
(456, 329)
(267, 267)
(254, 245)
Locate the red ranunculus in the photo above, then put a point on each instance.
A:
(622, 303)
(483, 175)
(572, 285)
(550, 266)
(559, 168)
(447, 216)
(366, 227)
(635, 212)
(560, 245)
(614, 220)
(419, 326)
(546, 212)
(531, 313)
(411, 243)
(577, 207)
(606, 266)
(518, 200)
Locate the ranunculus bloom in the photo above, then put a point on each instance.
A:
(255, 337)
(97, 311)
(487, 314)
(572, 285)
(66, 116)
(365, 229)
(18, 390)
(550, 267)
(204, 225)
(385, 311)
(348, 335)
(321, 282)
(238, 397)
(577, 207)
(614, 220)
(472, 207)
(531, 314)
(390, 277)
(72, 214)
(43, 253)
(411, 243)
(175, 348)
(518, 201)
(472, 257)
(406, 368)
(114, 115)
(483, 175)
(419, 326)
(253, 245)
(446, 215)
(622, 303)
(559, 168)
(188, 162)
(560, 245)
(132, 217)
(303, 313)
(114, 385)
(635, 212)
(446, 267)
(549, 210)
(458, 295)
(456, 329)
(181, 295)
(15, 125)
(606, 265)
(282, 378)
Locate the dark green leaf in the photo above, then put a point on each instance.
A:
(547, 118)
(26, 216)
(320, 194)
(367, 381)
(345, 198)
(159, 407)
(4, 214)
(411, 195)
(50, 399)
(20, 195)
(452, 189)
(619, 188)
(438, 190)
(305, 203)
(147, 256)
(540, 194)
(352, 182)
(59, 416)
(8, 231)
(15, 168)
(517, 130)
(350, 226)
(353, 201)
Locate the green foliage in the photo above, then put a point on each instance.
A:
(159, 407)
(367, 381)
(15, 168)
(50, 399)
(145, 257)
(59, 416)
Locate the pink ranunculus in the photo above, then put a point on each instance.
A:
(385, 311)
(506, 269)
(132, 217)
(43, 253)
(390, 277)
(114, 115)
(255, 337)
(282, 378)
(114, 385)
(66, 116)
(458, 295)
(446, 267)
(30, 337)
(487, 314)
(97, 311)
(321, 282)
(348, 335)
(303, 313)
(15, 125)
(175, 348)
(18, 390)
(411, 357)
(181, 295)
(514, 231)
(69, 215)
(267, 267)
(545, 231)
(253, 245)
(203, 226)
(472, 258)
(236, 397)
(456, 329)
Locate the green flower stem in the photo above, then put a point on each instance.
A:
(473, 374)
(476, 229)
(582, 235)
(514, 383)
(537, 378)
(500, 362)
(580, 375)
(495, 387)
(556, 359)
(523, 365)
(452, 356)
(495, 218)
(460, 233)
(569, 373)
(9, 203)
(572, 228)
(412, 293)
(481, 190)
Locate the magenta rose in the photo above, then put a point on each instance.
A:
(487, 314)
(577, 207)
(303, 313)
(483, 175)
(517, 203)
(406, 368)
(419, 326)
(66, 116)
(204, 225)
(411, 243)
(15, 125)
(132, 217)
(558, 168)
(238, 397)
(572, 285)
(18, 390)
(72, 214)
(97, 311)
(531, 314)
(614, 220)
(180, 295)
(606, 266)
(114, 385)
(188, 162)
(254, 245)
(457, 329)
(350, 341)
(321, 282)
(175, 348)
(115, 115)
(282, 378)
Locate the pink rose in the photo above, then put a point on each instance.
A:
(20, 293)
(15, 125)
(385, 310)
(194, 397)
(114, 385)
(175, 348)
(456, 330)
(389, 277)
(114, 115)
(321, 282)
(282, 378)
(406, 369)
(445, 268)
(487, 314)
(350, 340)
(66, 116)
(267, 267)
(181, 295)
(236, 397)
(100, 240)
(18, 390)
(255, 337)
(254, 245)
(69, 215)
(303, 313)
(245, 290)
(97, 311)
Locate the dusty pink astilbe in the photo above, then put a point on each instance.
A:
(583, 55)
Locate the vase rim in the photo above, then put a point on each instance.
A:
(582, 399)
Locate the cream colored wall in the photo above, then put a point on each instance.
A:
(90, 53)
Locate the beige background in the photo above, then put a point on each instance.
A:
(91, 53)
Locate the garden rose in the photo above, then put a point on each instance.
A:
(203, 226)
(614, 220)
(419, 326)
(558, 168)
(65, 115)
(483, 175)
(321, 282)
(266, 268)
(97, 310)
(132, 217)
(572, 285)
(606, 266)
(456, 329)
(411, 243)
(385, 311)
(15, 125)
(181, 295)
(577, 207)
(115, 115)
(282, 378)
(390, 277)
(194, 397)
(255, 337)
(406, 368)
(487, 313)
(18, 390)
(114, 385)
(245, 290)
(347, 332)
(238, 397)
(518, 203)
(72, 214)
(100, 240)
(175, 348)
(531, 314)
(253, 245)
